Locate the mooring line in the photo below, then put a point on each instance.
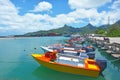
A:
(115, 60)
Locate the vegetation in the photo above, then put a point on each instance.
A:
(114, 30)
(100, 31)
(109, 30)
(64, 30)
(106, 30)
(88, 29)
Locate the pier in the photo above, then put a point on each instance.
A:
(110, 44)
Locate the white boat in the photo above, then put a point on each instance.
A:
(68, 51)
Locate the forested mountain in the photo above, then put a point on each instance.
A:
(88, 29)
(63, 30)
(114, 30)
(104, 26)
(106, 30)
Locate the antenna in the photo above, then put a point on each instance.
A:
(108, 20)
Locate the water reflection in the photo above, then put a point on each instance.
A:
(106, 55)
(113, 62)
(116, 65)
(44, 73)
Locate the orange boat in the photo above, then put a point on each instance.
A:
(73, 65)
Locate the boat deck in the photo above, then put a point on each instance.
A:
(70, 61)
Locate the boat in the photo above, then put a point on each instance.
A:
(78, 40)
(70, 50)
(72, 65)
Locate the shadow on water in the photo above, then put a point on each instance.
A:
(116, 65)
(106, 55)
(44, 73)
(113, 62)
(112, 72)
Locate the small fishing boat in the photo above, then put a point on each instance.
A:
(78, 40)
(70, 50)
(73, 65)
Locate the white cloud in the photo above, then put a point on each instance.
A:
(11, 22)
(113, 14)
(8, 12)
(76, 4)
(116, 5)
(92, 15)
(43, 6)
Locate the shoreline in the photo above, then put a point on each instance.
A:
(25, 37)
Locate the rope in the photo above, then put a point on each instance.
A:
(115, 60)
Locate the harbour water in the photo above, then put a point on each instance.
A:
(16, 62)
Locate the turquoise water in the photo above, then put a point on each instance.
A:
(16, 62)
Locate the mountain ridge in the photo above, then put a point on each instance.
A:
(108, 30)
(63, 30)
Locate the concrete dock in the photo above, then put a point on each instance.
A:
(110, 44)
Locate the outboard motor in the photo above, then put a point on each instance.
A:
(90, 49)
(91, 55)
(93, 49)
(102, 64)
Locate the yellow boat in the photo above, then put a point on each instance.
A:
(86, 67)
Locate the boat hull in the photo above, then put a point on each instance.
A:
(65, 68)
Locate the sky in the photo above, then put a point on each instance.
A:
(23, 16)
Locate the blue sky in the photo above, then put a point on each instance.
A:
(22, 16)
(59, 6)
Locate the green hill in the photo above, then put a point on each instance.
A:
(114, 30)
(104, 26)
(63, 30)
(107, 30)
(102, 29)
(88, 29)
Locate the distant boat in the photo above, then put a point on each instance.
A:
(86, 67)
(77, 40)
(66, 35)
